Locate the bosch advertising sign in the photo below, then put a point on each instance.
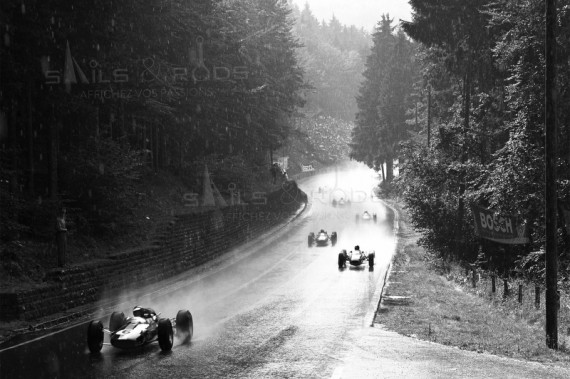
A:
(498, 228)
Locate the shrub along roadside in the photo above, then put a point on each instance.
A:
(443, 308)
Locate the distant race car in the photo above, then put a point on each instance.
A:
(322, 238)
(355, 258)
(340, 202)
(142, 328)
(366, 216)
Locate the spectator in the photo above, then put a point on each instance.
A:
(273, 170)
(61, 238)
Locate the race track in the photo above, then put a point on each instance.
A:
(272, 308)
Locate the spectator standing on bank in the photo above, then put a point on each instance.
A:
(273, 170)
(61, 238)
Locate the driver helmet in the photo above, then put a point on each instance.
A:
(357, 248)
(138, 311)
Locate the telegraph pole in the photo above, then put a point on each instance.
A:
(550, 185)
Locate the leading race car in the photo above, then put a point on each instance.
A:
(366, 216)
(355, 258)
(142, 328)
(322, 238)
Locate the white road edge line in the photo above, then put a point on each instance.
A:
(377, 297)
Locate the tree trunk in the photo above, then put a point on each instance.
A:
(389, 168)
(461, 205)
(156, 147)
(31, 166)
(14, 156)
(429, 118)
(550, 194)
(53, 134)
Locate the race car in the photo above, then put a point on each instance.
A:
(366, 216)
(142, 328)
(355, 258)
(340, 202)
(322, 238)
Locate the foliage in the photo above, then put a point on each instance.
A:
(100, 175)
(333, 57)
(90, 91)
(383, 99)
(484, 63)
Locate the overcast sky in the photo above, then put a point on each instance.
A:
(362, 13)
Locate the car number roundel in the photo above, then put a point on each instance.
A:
(137, 330)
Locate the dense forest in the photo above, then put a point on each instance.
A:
(95, 94)
(469, 129)
(332, 56)
(94, 98)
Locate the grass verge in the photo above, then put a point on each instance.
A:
(420, 302)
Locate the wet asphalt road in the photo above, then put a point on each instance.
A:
(285, 310)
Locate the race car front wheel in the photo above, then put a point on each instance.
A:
(184, 325)
(371, 260)
(95, 336)
(116, 321)
(165, 334)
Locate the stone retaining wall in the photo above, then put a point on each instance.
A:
(187, 241)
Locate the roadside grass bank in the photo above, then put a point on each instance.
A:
(424, 302)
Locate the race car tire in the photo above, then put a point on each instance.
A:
(333, 238)
(184, 325)
(371, 260)
(342, 259)
(116, 321)
(311, 239)
(165, 334)
(95, 336)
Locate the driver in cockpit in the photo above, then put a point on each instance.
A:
(139, 311)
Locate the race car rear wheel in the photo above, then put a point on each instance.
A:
(116, 321)
(371, 260)
(165, 334)
(184, 325)
(342, 259)
(95, 336)
(333, 238)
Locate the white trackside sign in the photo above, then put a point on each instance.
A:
(498, 228)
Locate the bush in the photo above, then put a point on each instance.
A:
(98, 176)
